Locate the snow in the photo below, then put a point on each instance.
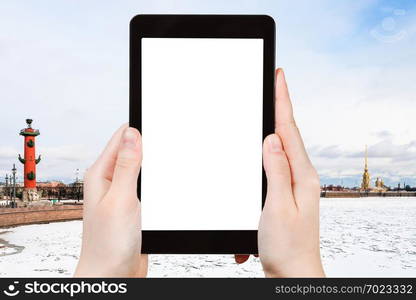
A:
(365, 237)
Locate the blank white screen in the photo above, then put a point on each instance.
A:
(202, 105)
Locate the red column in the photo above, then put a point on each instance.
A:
(29, 161)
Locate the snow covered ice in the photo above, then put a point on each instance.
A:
(364, 237)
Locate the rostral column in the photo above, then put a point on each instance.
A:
(29, 161)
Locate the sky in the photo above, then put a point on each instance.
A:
(350, 67)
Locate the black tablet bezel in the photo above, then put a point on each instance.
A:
(202, 26)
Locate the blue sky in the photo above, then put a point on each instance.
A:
(350, 66)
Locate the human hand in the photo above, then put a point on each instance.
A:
(288, 236)
(111, 240)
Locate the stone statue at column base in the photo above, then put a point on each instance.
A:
(31, 197)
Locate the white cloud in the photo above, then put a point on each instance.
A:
(7, 152)
(72, 153)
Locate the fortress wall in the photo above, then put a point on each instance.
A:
(43, 214)
(336, 194)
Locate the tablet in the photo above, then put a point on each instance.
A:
(201, 94)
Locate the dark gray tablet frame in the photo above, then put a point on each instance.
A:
(202, 26)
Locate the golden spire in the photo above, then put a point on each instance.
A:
(365, 184)
(366, 159)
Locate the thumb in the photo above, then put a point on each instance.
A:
(276, 166)
(128, 162)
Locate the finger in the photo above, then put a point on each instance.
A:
(241, 258)
(105, 163)
(127, 165)
(98, 177)
(276, 166)
(303, 173)
(141, 271)
(286, 127)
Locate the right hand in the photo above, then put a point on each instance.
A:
(288, 236)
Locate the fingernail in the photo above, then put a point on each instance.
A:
(130, 136)
(275, 143)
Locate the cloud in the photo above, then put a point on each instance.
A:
(387, 149)
(383, 134)
(332, 151)
(73, 153)
(7, 152)
(393, 162)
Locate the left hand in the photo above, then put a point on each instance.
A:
(111, 240)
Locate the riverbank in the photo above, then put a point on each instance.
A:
(39, 214)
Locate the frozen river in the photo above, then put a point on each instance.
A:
(359, 237)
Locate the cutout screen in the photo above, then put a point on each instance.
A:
(202, 102)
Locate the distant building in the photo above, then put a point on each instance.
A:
(366, 182)
(331, 187)
(50, 184)
(379, 183)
